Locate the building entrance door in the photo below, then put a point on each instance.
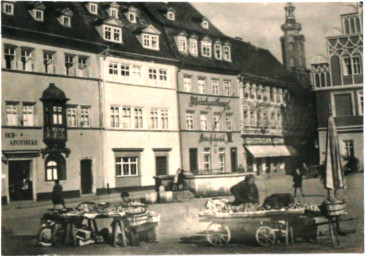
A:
(161, 165)
(234, 159)
(193, 159)
(20, 185)
(86, 176)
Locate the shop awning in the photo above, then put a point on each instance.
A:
(271, 151)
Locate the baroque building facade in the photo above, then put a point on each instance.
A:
(338, 85)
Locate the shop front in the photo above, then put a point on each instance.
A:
(269, 155)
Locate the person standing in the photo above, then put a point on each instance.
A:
(175, 184)
(57, 197)
(298, 181)
(180, 180)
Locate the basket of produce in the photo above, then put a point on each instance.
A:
(137, 219)
(153, 217)
(135, 210)
(334, 208)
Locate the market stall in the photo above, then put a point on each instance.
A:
(79, 227)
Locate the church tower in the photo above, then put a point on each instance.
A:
(292, 45)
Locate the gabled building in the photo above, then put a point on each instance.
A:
(338, 86)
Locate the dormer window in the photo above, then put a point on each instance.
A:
(183, 44)
(65, 17)
(205, 24)
(193, 46)
(113, 34)
(37, 11)
(150, 41)
(93, 8)
(170, 15)
(66, 21)
(38, 15)
(218, 51)
(206, 48)
(227, 52)
(132, 17)
(113, 10)
(8, 8)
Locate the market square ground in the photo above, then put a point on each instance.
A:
(180, 232)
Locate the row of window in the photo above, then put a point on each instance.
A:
(20, 113)
(351, 24)
(205, 125)
(133, 117)
(23, 58)
(262, 118)
(134, 73)
(202, 87)
(190, 45)
(264, 93)
(78, 116)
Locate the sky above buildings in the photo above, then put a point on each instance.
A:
(259, 23)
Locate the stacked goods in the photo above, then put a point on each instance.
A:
(334, 207)
(153, 217)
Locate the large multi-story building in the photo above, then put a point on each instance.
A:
(338, 85)
(50, 102)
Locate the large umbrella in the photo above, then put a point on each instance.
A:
(334, 178)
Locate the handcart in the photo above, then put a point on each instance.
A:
(273, 225)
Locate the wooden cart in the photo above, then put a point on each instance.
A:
(272, 226)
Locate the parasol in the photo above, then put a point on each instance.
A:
(334, 176)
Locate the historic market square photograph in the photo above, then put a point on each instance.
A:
(160, 128)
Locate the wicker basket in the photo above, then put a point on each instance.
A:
(137, 219)
(334, 209)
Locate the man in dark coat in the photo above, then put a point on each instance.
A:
(245, 192)
(57, 198)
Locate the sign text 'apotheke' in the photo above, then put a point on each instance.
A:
(19, 142)
(200, 101)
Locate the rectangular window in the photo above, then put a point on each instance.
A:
(66, 21)
(227, 53)
(227, 88)
(28, 115)
(114, 12)
(124, 71)
(26, 59)
(69, 62)
(252, 118)
(222, 159)
(57, 115)
(206, 49)
(82, 65)
(12, 114)
(193, 46)
(113, 68)
(360, 102)
(347, 69)
(356, 63)
(132, 17)
(39, 15)
(93, 8)
(126, 166)
(217, 122)
(136, 70)
(229, 123)
(246, 117)
(218, 51)
(107, 33)
(138, 118)
(112, 34)
(182, 44)
(8, 8)
(207, 158)
(126, 117)
(189, 121)
(85, 116)
(154, 118)
(203, 122)
(163, 76)
(48, 62)
(117, 37)
(164, 119)
(151, 41)
(349, 148)
(152, 76)
(201, 86)
(215, 87)
(71, 116)
(114, 116)
(187, 84)
(343, 104)
(9, 54)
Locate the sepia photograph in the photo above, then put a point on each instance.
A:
(176, 128)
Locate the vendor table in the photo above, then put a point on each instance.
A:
(118, 222)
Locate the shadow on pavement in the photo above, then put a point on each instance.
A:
(19, 244)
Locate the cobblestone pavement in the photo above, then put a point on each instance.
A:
(180, 231)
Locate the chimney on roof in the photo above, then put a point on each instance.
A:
(238, 38)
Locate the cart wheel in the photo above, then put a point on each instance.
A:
(265, 236)
(59, 235)
(218, 234)
(45, 236)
